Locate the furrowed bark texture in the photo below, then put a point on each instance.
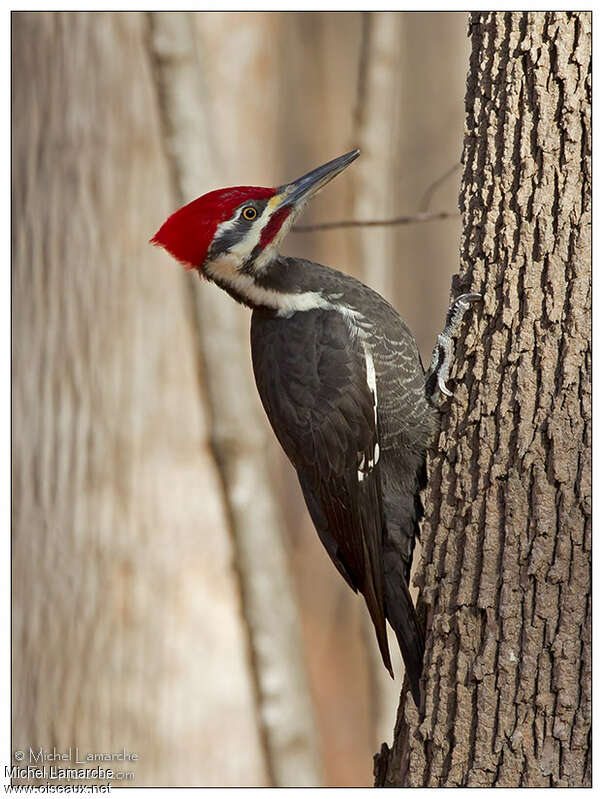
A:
(505, 575)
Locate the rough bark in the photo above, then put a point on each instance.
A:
(239, 432)
(505, 573)
(411, 267)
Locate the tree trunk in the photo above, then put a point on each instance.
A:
(505, 573)
(410, 265)
(379, 80)
(122, 573)
(189, 106)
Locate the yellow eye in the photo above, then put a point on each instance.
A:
(249, 213)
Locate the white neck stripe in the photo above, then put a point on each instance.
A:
(224, 272)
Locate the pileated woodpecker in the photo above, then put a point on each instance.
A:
(341, 380)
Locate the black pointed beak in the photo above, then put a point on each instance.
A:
(300, 190)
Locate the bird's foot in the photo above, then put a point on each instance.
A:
(438, 372)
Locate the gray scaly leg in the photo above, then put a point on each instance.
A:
(438, 372)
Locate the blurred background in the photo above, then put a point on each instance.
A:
(170, 595)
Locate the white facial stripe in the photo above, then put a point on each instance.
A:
(244, 247)
(225, 226)
(270, 251)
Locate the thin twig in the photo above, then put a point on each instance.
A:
(397, 220)
(430, 190)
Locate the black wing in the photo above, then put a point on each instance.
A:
(406, 422)
(311, 375)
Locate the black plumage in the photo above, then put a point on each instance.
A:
(342, 382)
(359, 450)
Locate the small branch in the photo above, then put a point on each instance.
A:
(397, 220)
(430, 190)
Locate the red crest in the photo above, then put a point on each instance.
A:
(188, 232)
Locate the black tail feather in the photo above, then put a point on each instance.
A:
(401, 614)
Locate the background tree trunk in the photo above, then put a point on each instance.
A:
(380, 78)
(133, 593)
(505, 573)
(127, 629)
(239, 435)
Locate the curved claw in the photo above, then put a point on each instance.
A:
(470, 297)
(443, 387)
(457, 311)
(442, 354)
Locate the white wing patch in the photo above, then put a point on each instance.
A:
(371, 380)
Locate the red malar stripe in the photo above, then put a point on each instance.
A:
(274, 225)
